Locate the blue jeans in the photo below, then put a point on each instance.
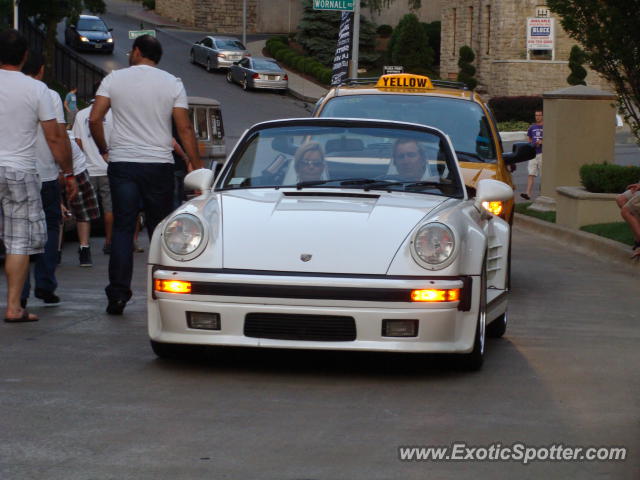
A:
(133, 184)
(45, 265)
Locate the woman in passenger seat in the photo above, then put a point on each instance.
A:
(309, 162)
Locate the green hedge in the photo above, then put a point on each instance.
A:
(281, 51)
(608, 178)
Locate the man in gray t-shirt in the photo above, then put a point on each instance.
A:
(144, 100)
(24, 103)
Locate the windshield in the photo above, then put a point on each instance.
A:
(91, 24)
(369, 158)
(265, 65)
(229, 45)
(462, 120)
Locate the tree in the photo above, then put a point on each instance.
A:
(578, 73)
(410, 46)
(608, 32)
(318, 35)
(467, 70)
(51, 12)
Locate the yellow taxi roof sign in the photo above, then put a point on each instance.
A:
(405, 80)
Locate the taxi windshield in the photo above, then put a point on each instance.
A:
(366, 158)
(91, 24)
(464, 121)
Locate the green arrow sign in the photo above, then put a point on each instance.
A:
(340, 5)
(138, 33)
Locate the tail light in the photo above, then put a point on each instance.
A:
(286, 77)
(222, 55)
(255, 75)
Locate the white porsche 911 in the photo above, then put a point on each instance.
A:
(333, 234)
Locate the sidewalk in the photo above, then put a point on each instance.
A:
(299, 87)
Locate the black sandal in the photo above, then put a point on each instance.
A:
(25, 317)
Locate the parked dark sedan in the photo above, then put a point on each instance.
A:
(90, 33)
(258, 72)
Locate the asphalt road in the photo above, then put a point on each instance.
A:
(82, 396)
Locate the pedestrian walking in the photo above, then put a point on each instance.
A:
(534, 167)
(45, 265)
(71, 105)
(24, 103)
(144, 100)
(96, 166)
(84, 207)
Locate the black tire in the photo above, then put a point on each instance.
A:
(192, 57)
(498, 327)
(473, 361)
(209, 67)
(245, 84)
(166, 350)
(229, 77)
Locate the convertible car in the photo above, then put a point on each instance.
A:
(338, 234)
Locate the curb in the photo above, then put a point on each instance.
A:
(592, 245)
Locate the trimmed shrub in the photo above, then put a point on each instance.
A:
(467, 70)
(288, 56)
(608, 178)
(325, 76)
(578, 73)
(384, 31)
(510, 109)
(280, 54)
(433, 30)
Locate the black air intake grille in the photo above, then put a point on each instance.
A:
(319, 328)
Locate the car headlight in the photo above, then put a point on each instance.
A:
(183, 234)
(109, 40)
(434, 243)
(84, 39)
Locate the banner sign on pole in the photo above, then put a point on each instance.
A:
(540, 34)
(343, 50)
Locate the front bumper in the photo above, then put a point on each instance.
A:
(442, 327)
(95, 46)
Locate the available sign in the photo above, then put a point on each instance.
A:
(389, 69)
(341, 5)
(540, 33)
(133, 34)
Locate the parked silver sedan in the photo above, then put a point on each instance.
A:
(218, 52)
(258, 72)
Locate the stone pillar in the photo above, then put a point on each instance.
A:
(579, 128)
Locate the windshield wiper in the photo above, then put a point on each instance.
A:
(341, 181)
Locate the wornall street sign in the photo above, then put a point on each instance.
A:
(341, 5)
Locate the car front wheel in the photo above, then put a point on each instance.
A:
(245, 84)
(229, 77)
(192, 57)
(209, 67)
(498, 327)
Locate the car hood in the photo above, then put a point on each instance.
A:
(93, 35)
(318, 231)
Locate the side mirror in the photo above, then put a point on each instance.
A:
(200, 179)
(110, 29)
(522, 152)
(490, 190)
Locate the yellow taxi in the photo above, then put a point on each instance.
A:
(449, 106)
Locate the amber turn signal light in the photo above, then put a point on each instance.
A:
(493, 207)
(436, 295)
(172, 286)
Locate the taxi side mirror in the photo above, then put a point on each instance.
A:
(522, 152)
(200, 179)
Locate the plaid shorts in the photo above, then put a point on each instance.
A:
(85, 206)
(633, 201)
(100, 185)
(22, 224)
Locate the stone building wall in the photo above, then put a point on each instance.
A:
(428, 12)
(496, 30)
(181, 11)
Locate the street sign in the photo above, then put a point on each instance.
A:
(133, 34)
(390, 69)
(340, 5)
